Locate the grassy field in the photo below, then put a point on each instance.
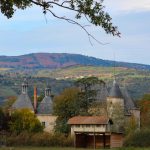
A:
(54, 148)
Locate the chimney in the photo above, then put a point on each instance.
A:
(35, 99)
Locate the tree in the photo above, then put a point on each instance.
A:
(3, 120)
(24, 120)
(92, 10)
(65, 107)
(144, 105)
(74, 101)
(88, 92)
(10, 100)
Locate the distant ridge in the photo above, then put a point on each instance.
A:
(60, 60)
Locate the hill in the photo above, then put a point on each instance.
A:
(136, 81)
(60, 60)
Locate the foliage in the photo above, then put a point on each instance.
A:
(146, 97)
(138, 139)
(92, 10)
(87, 94)
(3, 120)
(39, 139)
(144, 105)
(98, 109)
(10, 100)
(24, 120)
(130, 125)
(7, 7)
(65, 107)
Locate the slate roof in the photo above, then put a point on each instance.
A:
(115, 91)
(23, 101)
(87, 120)
(101, 92)
(129, 104)
(45, 107)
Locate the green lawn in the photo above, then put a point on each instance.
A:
(54, 148)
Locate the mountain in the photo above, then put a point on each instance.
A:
(60, 60)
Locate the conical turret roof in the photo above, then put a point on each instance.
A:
(23, 100)
(115, 91)
(46, 105)
(129, 104)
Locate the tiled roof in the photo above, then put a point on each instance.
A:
(88, 120)
(23, 101)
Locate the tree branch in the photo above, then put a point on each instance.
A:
(76, 23)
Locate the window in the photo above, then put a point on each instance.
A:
(43, 124)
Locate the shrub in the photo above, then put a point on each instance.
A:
(138, 139)
(39, 139)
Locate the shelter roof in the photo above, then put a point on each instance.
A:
(94, 120)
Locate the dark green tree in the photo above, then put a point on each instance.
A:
(92, 11)
(4, 118)
(66, 105)
(87, 94)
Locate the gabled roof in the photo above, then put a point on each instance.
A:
(45, 107)
(23, 101)
(87, 120)
(115, 91)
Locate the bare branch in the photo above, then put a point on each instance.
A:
(46, 7)
(76, 23)
(60, 5)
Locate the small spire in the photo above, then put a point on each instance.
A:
(115, 91)
(48, 90)
(24, 86)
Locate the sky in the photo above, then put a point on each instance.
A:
(29, 31)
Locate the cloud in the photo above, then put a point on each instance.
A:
(127, 5)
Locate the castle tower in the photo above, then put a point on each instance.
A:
(23, 100)
(115, 107)
(45, 110)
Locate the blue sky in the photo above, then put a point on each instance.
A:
(28, 32)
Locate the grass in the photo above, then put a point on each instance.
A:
(65, 148)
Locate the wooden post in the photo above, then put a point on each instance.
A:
(104, 140)
(94, 138)
(94, 141)
(75, 140)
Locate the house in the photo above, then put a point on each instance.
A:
(44, 111)
(107, 129)
(121, 108)
(94, 132)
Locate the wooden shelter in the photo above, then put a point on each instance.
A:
(94, 132)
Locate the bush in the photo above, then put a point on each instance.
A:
(39, 139)
(138, 139)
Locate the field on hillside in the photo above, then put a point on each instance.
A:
(54, 148)
(136, 82)
(80, 71)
